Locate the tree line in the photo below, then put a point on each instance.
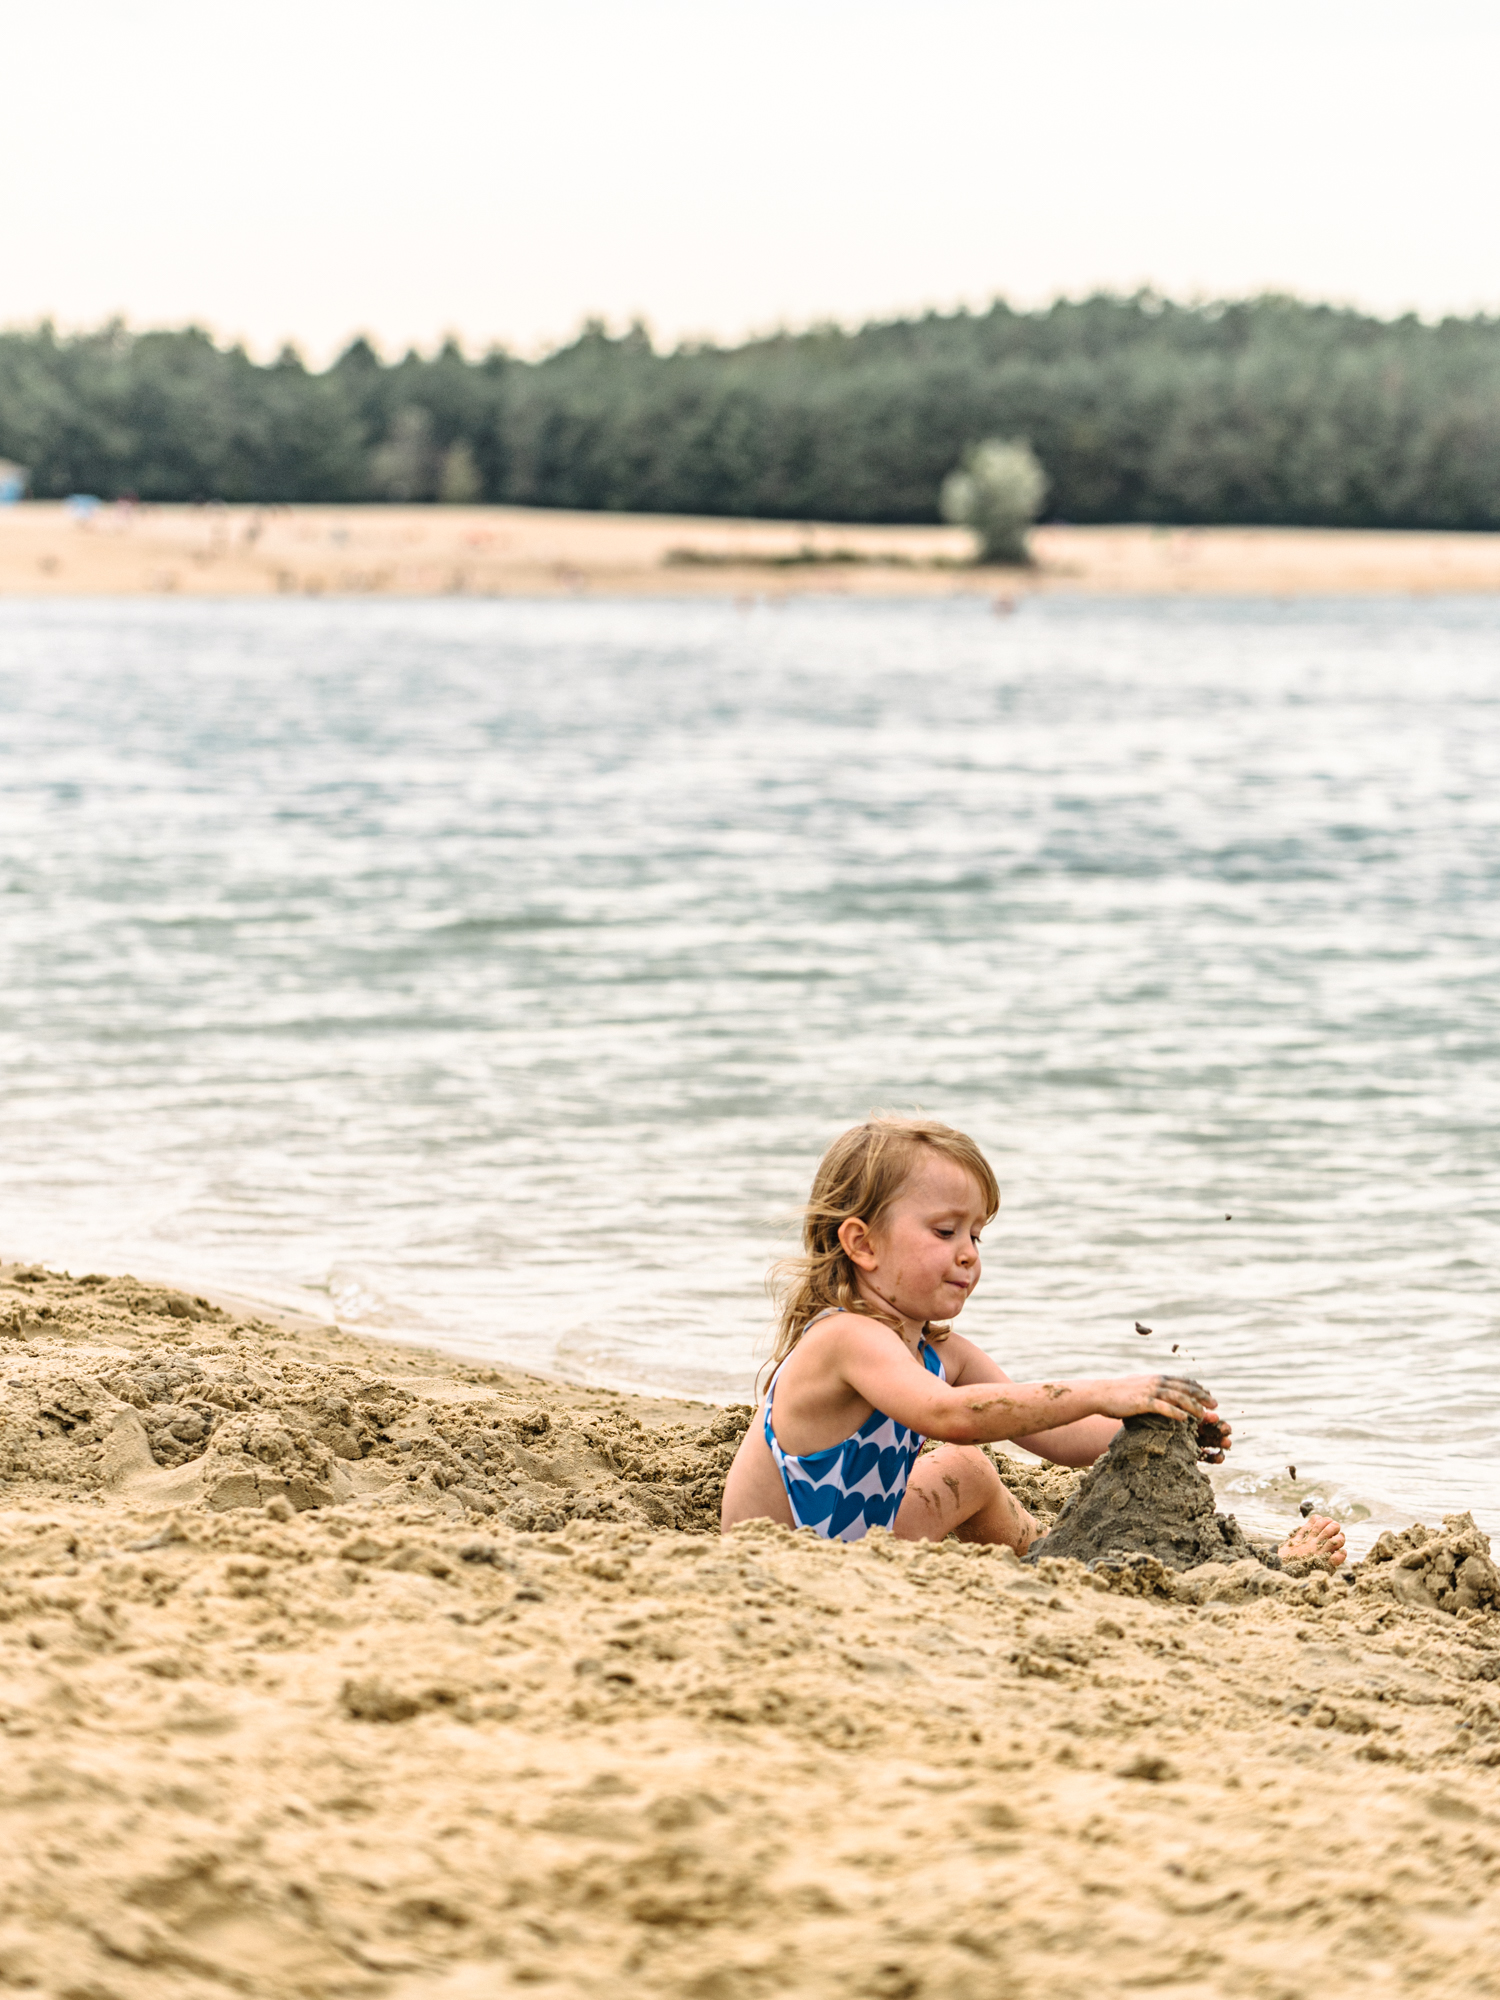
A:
(1266, 410)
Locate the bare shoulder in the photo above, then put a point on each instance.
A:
(964, 1362)
(847, 1335)
(817, 1352)
(838, 1327)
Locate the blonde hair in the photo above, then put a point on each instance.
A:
(861, 1174)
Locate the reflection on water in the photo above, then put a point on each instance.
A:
(496, 972)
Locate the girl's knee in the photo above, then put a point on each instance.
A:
(973, 1468)
(985, 1509)
(948, 1488)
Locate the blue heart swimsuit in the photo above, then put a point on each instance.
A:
(849, 1488)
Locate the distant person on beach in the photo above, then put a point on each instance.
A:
(866, 1368)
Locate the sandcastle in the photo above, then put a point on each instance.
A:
(1148, 1497)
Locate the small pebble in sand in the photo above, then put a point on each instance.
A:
(1146, 1329)
(1291, 1472)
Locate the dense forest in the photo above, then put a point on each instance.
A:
(1261, 410)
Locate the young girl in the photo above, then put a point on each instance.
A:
(864, 1370)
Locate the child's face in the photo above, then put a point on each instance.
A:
(924, 1257)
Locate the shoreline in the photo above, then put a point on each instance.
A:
(218, 551)
(1365, 1516)
(336, 1667)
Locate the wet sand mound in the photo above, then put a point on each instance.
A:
(1147, 1496)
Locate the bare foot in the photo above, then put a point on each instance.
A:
(1318, 1536)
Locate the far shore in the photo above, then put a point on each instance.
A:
(224, 551)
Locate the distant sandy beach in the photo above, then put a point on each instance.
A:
(333, 1668)
(218, 551)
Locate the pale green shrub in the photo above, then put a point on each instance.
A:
(997, 491)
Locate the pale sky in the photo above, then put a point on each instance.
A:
(303, 169)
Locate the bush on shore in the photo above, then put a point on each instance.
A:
(998, 492)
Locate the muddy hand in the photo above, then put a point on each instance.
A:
(1318, 1536)
(1176, 1396)
(1180, 1396)
(1213, 1439)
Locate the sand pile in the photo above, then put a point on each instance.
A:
(172, 1400)
(1148, 1496)
(455, 1710)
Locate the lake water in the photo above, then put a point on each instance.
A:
(494, 974)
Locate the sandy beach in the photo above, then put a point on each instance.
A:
(218, 551)
(336, 1668)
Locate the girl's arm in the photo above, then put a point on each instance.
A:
(1065, 1444)
(994, 1410)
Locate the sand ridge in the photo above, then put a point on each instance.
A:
(458, 1693)
(394, 551)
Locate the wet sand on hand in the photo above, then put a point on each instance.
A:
(222, 551)
(336, 1668)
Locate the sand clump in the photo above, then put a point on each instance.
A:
(500, 1711)
(1449, 1569)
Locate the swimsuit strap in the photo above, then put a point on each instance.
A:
(826, 1313)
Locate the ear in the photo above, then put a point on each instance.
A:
(854, 1235)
